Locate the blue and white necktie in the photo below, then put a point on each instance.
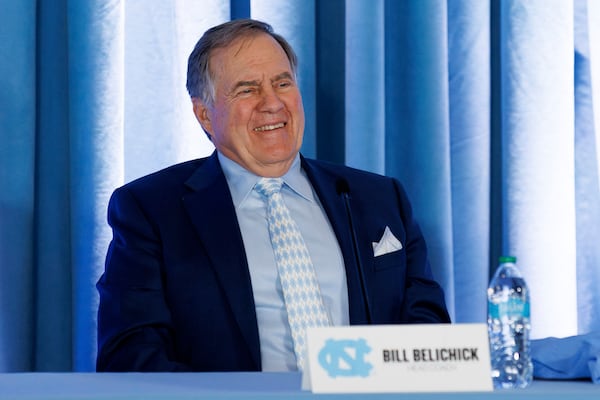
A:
(297, 275)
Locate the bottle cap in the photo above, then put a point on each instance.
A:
(507, 259)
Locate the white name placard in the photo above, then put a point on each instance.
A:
(398, 358)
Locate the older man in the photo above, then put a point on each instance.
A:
(222, 263)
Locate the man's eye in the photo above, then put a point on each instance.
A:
(246, 91)
(284, 84)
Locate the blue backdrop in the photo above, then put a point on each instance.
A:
(484, 109)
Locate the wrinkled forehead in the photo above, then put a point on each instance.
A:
(239, 44)
(245, 52)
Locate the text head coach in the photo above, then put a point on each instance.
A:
(212, 267)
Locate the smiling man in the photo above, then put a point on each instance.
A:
(222, 263)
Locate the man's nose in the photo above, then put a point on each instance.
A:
(271, 102)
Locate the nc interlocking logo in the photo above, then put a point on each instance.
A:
(345, 358)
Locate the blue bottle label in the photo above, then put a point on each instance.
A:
(513, 308)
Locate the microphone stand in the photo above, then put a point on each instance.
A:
(344, 191)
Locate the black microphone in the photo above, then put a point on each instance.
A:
(344, 191)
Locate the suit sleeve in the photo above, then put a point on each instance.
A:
(424, 300)
(134, 323)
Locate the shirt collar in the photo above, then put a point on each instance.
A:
(241, 181)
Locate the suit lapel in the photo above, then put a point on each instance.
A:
(325, 184)
(213, 215)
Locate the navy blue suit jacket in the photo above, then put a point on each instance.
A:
(176, 292)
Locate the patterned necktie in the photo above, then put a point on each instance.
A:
(296, 272)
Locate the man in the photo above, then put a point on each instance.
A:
(191, 280)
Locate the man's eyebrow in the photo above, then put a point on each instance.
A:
(283, 75)
(245, 84)
(239, 84)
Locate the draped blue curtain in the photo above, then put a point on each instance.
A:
(484, 109)
(538, 155)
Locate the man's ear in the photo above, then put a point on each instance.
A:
(202, 115)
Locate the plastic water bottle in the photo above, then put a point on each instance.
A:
(509, 327)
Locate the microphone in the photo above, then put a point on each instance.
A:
(344, 191)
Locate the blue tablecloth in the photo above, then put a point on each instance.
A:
(238, 386)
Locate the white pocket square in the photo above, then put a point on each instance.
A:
(387, 244)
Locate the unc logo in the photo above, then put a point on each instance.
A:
(337, 361)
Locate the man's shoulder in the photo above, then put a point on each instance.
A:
(167, 178)
(342, 170)
(359, 181)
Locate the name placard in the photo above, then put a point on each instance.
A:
(398, 358)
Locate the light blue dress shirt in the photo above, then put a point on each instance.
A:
(277, 350)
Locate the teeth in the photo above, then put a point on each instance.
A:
(269, 127)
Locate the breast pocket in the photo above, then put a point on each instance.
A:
(395, 259)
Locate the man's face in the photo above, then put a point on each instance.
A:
(257, 117)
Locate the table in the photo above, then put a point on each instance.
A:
(237, 386)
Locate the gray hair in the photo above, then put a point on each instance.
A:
(199, 80)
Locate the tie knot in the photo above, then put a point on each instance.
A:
(268, 186)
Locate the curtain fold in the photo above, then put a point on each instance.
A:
(469, 78)
(155, 96)
(96, 87)
(17, 180)
(587, 182)
(92, 95)
(538, 157)
(417, 140)
(52, 264)
(365, 86)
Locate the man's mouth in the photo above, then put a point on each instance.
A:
(266, 128)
